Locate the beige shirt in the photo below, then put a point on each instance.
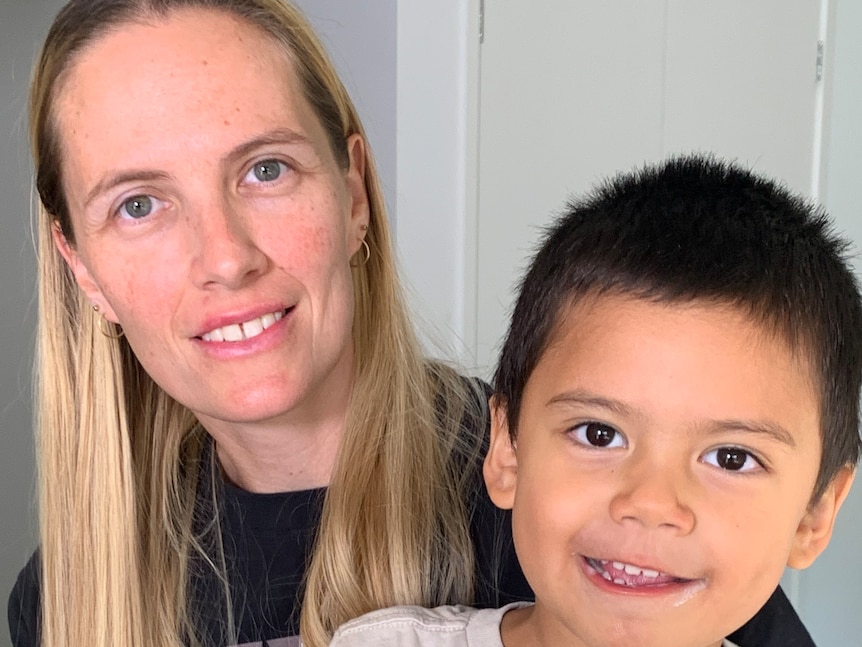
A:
(452, 626)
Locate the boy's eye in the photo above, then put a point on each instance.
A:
(266, 171)
(598, 434)
(732, 459)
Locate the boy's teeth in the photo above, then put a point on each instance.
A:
(636, 570)
(630, 569)
(245, 330)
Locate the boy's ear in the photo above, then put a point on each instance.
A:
(501, 463)
(81, 273)
(815, 529)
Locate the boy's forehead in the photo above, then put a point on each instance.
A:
(599, 327)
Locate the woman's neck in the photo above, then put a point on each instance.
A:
(279, 459)
(294, 451)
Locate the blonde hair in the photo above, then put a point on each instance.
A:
(120, 460)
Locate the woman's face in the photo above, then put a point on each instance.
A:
(210, 217)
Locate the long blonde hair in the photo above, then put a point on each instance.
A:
(119, 459)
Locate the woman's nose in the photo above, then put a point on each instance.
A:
(654, 495)
(226, 251)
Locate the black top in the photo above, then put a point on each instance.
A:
(267, 539)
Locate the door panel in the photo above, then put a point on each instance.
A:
(570, 91)
(741, 81)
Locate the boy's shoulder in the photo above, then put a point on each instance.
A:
(415, 626)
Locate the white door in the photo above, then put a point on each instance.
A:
(574, 91)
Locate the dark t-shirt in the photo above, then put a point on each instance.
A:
(267, 539)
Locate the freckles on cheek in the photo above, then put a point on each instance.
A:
(314, 247)
(136, 292)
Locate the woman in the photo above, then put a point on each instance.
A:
(222, 342)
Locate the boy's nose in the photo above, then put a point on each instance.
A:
(653, 496)
(225, 251)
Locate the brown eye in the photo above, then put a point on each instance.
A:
(732, 459)
(598, 434)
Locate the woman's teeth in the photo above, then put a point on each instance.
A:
(245, 330)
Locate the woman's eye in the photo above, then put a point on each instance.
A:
(598, 434)
(139, 206)
(266, 171)
(732, 459)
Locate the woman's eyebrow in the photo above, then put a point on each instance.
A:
(115, 179)
(276, 136)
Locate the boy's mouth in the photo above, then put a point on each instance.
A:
(630, 575)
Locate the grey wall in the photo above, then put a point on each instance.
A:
(22, 26)
(362, 40)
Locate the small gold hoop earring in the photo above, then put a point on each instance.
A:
(105, 326)
(366, 255)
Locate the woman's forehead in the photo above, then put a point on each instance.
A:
(196, 83)
(188, 45)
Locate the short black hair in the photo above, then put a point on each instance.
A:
(696, 228)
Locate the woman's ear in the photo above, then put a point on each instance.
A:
(815, 529)
(82, 275)
(501, 463)
(360, 210)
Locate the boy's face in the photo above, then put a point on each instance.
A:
(661, 477)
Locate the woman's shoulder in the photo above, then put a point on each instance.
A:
(24, 605)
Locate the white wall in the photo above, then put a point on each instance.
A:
(831, 590)
(438, 50)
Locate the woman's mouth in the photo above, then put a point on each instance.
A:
(244, 330)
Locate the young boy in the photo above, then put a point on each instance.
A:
(674, 418)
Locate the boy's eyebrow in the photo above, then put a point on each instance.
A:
(592, 400)
(765, 427)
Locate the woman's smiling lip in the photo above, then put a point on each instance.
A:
(237, 327)
(260, 340)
